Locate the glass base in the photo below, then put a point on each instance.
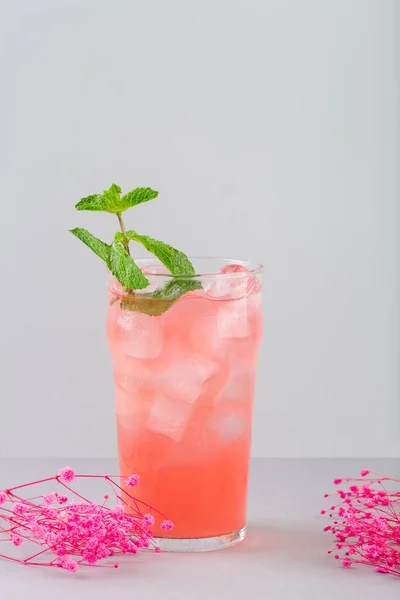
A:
(200, 544)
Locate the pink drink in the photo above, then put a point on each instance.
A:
(184, 387)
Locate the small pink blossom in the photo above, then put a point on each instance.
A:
(3, 497)
(148, 520)
(167, 525)
(16, 539)
(364, 473)
(61, 499)
(337, 481)
(66, 475)
(19, 508)
(118, 511)
(49, 498)
(132, 480)
(66, 562)
(346, 563)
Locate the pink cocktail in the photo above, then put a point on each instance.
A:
(184, 388)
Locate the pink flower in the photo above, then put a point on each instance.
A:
(66, 475)
(337, 481)
(148, 520)
(16, 539)
(118, 511)
(346, 563)
(167, 525)
(364, 473)
(132, 480)
(66, 562)
(49, 498)
(19, 508)
(61, 499)
(3, 497)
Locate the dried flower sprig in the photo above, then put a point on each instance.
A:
(79, 532)
(366, 522)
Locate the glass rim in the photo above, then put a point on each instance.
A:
(254, 268)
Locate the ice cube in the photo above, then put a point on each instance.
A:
(139, 335)
(130, 373)
(224, 287)
(235, 389)
(204, 335)
(217, 288)
(169, 417)
(234, 268)
(124, 404)
(233, 319)
(239, 386)
(184, 375)
(229, 427)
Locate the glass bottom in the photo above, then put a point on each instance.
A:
(200, 544)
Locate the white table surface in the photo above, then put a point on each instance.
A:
(284, 556)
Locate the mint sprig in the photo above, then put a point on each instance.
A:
(112, 202)
(121, 264)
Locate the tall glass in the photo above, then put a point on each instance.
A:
(184, 376)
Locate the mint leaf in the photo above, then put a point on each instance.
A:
(158, 302)
(93, 202)
(136, 196)
(176, 288)
(110, 200)
(144, 303)
(124, 268)
(176, 261)
(100, 248)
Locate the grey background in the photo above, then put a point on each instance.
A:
(271, 129)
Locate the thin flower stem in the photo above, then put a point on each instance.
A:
(18, 487)
(136, 499)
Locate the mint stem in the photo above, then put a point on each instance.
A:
(126, 246)
(122, 225)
